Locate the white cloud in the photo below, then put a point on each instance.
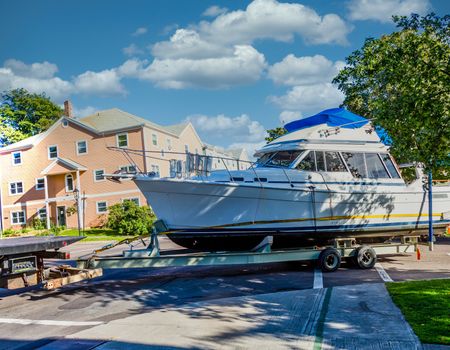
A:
(383, 10)
(140, 31)
(102, 83)
(224, 130)
(304, 70)
(84, 111)
(44, 70)
(288, 116)
(132, 68)
(310, 98)
(244, 66)
(214, 11)
(132, 50)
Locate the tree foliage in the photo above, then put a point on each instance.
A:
(275, 133)
(402, 81)
(24, 114)
(130, 219)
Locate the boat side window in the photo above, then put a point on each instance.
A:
(264, 158)
(283, 158)
(355, 163)
(308, 163)
(320, 161)
(334, 162)
(375, 168)
(390, 166)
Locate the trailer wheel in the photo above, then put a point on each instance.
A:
(365, 257)
(329, 260)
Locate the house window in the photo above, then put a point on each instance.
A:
(18, 217)
(169, 144)
(154, 140)
(42, 214)
(69, 183)
(81, 147)
(155, 169)
(52, 152)
(135, 200)
(17, 158)
(40, 184)
(122, 140)
(102, 207)
(99, 175)
(16, 188)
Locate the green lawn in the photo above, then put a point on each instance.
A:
(426, 306)
(95, 234)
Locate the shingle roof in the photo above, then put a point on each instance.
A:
(176, 129)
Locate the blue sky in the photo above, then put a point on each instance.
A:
(233, 68)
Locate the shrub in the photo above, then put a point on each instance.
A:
(56, 229)
(9, 232)
(128, 218)
(38, 224)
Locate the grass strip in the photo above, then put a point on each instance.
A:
(426, 306)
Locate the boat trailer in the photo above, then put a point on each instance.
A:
(328, 257)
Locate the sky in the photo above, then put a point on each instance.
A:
(232, 68)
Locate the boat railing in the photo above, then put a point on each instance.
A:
(186, 164)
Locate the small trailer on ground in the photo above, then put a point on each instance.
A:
(22, 262)
(328, 258)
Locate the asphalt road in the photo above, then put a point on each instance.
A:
(33, 318)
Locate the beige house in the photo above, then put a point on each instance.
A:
(59, 172)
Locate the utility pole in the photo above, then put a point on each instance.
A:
(430, 211)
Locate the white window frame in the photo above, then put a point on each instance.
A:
(154, 139)
(36, 184)
(96, 207)
(65, 183)
(169, 144)
(87, 150)
(17, 193)
(158, 167)
(131, 198)
(95, 175)
(24, 217)
(117, 139)
(20, 157)
(38, 213)
(48, 152)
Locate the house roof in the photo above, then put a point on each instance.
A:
(176, 129)
(62, 166)
(25, 143)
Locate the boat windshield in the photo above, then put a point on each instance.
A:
(280, 159)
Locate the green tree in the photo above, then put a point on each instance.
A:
(402, 81)
(24, 114)
(130, 219)
(275, 133)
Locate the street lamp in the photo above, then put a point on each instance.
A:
(76, 196)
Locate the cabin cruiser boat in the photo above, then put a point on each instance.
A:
(329, 177)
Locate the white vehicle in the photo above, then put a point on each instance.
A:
(329, 177)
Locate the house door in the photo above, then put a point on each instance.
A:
(61, 212)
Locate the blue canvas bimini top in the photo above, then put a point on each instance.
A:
(332, 117)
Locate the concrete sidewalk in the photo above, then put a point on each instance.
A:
(350, 317)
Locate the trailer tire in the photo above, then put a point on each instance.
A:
(329, 260)
(365, 257)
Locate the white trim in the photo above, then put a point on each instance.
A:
(66, 122)
(36, 184)
(76, 146)
(65, 182)
(96, 207)
(95, 175)
(117, 139)
(38, 215)
(24, 217)
(15, 182)
(12, 158)
(69, 198)
(48, 152)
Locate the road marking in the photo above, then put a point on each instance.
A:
(383, 274)
(25, 321)
(318, 279)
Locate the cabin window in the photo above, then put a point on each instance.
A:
(283, 158)
(264, 158)
(69, 183)
(375, 167)
(390, 166)
(356, 164)
(334, 162)
(308, 163)
(320, 161)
